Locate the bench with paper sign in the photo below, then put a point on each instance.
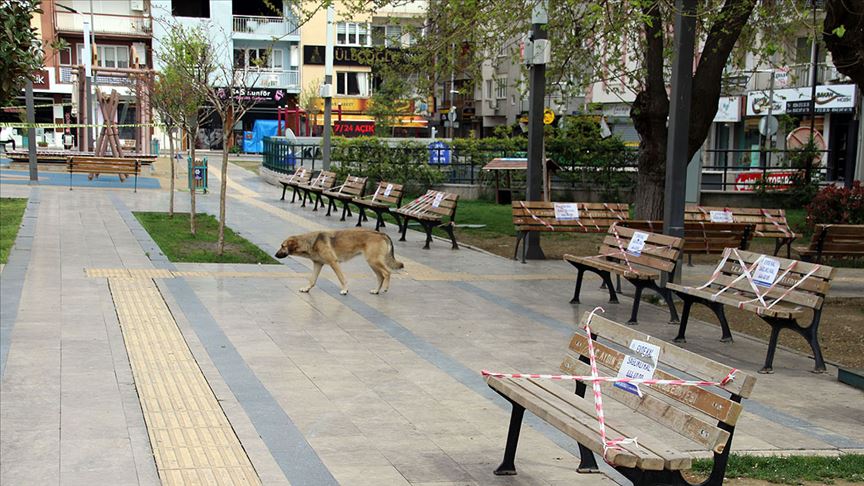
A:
(353, 186)
(680, 404)
(768, 223)
(430, 210)
(381, 202)
(564, 217)
(637, 256)
(300, 177)
(778, 290)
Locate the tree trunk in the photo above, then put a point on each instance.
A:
(649, 113)
(173, 171)
(193, 135)
(223, 188)
(650, 110)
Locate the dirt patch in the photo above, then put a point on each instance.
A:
(840, 329)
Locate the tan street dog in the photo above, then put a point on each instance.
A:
(332, 247)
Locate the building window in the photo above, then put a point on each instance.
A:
(352, 34)
(387, 35)
(65, 56)
(109, 56)
(488, 94)
(259, 58)
(191, 8)
(352, 84)
(501, 88)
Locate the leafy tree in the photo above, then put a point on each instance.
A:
(187, 62)
(168, 99)
(627, 45)
(844, 36)
(20, 54)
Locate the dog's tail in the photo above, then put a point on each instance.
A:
(392, 262)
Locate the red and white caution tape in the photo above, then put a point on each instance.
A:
(544, 223)
(596, 379)
(777, 225)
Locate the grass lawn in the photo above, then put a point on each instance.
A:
(11, 212)
(792, 469)
(173, 237)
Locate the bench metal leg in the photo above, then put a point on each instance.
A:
(330, 205)
(607, 277)
(360, 214)
(379, 220)
(724, 325)
(403, 227)
(318, 201)
(580, 273)
(345, 211)
(507, 467)
(520, 235)
(637, 298)
(809, 333)
(303, 204)
(449, 229)
(685, 316)
(284, 189)
(293, 195)
(428, 229)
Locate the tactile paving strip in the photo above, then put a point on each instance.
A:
(192, 440)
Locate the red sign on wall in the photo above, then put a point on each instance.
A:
(354, 128)
(778, 180)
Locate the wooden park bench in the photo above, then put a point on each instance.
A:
(835, 240)
(668, 422)
(642, 267)
(352, 187)
(561, 217)
(300, 177)
(122, 167)
(768, 223)
(429, 210)
(701, 237)
(788, 290)
(387, 196)
(324, 181)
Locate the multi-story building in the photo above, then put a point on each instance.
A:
(252, 39)
(121, 30)
(354, 79)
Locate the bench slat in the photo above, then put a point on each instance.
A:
(580, 425)
(672, 458)
(706, 434)
(824, 271)
(598, 261)
(743, 301)
(702, 399)
(678, 358)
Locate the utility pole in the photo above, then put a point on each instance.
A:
(31, 132)
(327, 87)
(537, 52)
(679, 121)
(814, 81)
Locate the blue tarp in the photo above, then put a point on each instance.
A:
(253, 142)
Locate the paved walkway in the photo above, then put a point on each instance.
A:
(119, 367)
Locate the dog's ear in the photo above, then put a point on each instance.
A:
(290, 245)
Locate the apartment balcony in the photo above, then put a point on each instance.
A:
(288, 80)
(67, 77)
(799, 77)
(260, 27)
(113, 24)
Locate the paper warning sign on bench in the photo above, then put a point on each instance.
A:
(637, 243)
(633, 367)
(720, 216)
(388, 190)
(766, 272)
(646, 351)
(566, 211)
(438, 198)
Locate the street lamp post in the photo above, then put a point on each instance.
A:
(536, 57)
(327, 87)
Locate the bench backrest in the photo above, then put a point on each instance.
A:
(691, 411)
(353, 186)
(388, 193)
(324, 180)
(660, 252)
(700, 237)
(433, 202)
(768, 223)
(592, 217)
(810, 293)
(300, 176)
(104, 164)
(838, 239)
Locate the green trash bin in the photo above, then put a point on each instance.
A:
(198, 175)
